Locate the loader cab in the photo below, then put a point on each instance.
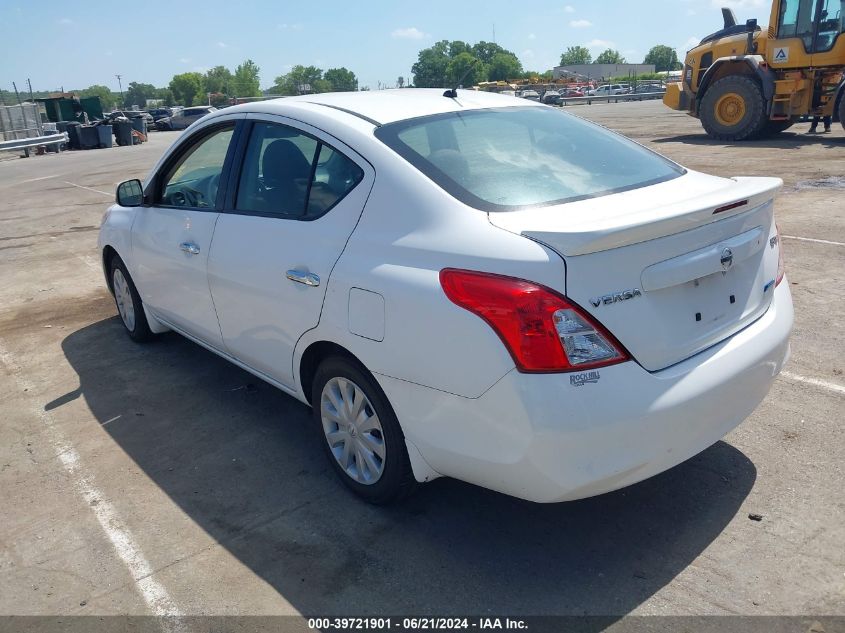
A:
(807, 33)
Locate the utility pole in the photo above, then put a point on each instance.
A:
(120, 85)
(29, 83)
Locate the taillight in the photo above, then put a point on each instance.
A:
(542, 330)
(781, 265)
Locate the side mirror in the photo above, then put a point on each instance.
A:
(130, 193)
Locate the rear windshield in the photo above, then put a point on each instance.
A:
(506, 158)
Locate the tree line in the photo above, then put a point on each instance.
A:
(663, 57)
(448, 63)
(217, 86)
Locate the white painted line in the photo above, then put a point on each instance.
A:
(124, 544)
(105, 193)
(23, 182)
(830, 386)
(812, 239)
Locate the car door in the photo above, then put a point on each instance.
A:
(171, 237)
(296, 197)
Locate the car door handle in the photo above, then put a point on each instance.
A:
(190, 247)
(300, 277)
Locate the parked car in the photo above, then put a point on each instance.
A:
(607, 90)
(571, 92)
(656, 89)
(160, 113)
(551, 97)
(531, 95)
(538, 319)
(184, 118)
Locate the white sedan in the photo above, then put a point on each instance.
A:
(461, 285)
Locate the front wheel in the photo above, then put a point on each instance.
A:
(362, 437)
(733, 109)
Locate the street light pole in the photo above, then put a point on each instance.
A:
(120, 85)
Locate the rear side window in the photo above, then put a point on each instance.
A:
(288, 173)
(506, 158)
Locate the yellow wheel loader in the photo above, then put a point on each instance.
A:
(743, 82)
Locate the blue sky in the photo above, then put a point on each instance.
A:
(86, 43)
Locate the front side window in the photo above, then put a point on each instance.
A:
(505, 158)
(288, 173)
(193, 180)
(796, 20)
(831, 24)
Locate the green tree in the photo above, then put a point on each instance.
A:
(341, 80)
(537, 76)
(299, 80)
(504, 66)
(430, 69)
(486, 51)
(466, 70)
(663, 57)
(218, 79)
(166, 95)
(108, 99)
(400, 82)
(610, 56)
(187, 88)
(575, 55)
(457, 47)
(245, 81)
(137, 94)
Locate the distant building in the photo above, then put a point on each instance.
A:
(601, 72)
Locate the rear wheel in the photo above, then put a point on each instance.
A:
(363, 440)
(733, 109)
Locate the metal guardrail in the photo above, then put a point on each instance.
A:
(25, 143)
(642, 96)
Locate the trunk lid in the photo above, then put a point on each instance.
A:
(669, 269)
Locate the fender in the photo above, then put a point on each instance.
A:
(755, 63)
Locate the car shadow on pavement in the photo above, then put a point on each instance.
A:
(784, 140)
(242, 460)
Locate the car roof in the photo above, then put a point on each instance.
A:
(387, 106)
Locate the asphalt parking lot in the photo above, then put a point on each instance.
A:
(160, 479)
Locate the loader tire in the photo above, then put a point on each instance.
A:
(733, 109)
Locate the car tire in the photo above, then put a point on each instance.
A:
(733, 109)
(360, 433)
(130, 308)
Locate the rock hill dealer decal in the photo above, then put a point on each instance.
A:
(579, 380)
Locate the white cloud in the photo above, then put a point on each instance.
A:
(569, 9)
(222, 44)
(65, 21)
(410, 33)
(531, 36)
(691, 42)
(599, 44)
(580, 24)
(290, 27)
(527, 54)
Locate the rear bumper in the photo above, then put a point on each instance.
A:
(540, 437)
